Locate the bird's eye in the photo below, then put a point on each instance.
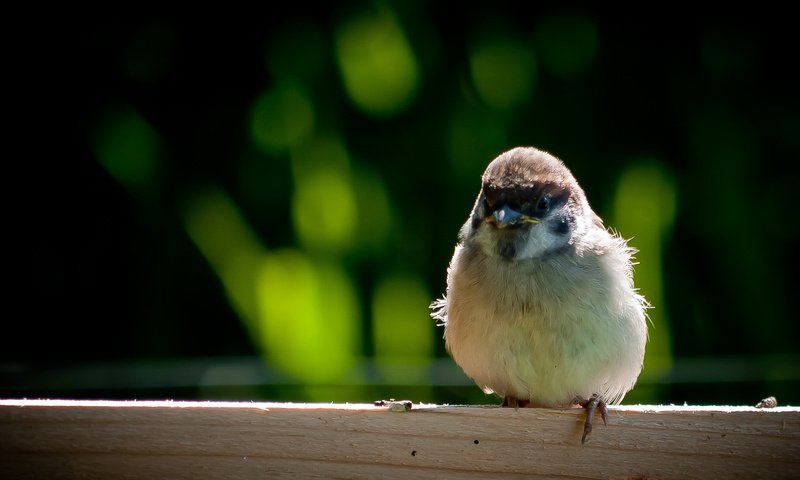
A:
(543, 204)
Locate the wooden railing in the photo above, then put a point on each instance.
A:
(216, 440)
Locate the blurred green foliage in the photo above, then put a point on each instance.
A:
(378, 69)
(128, 147)
(647, 185)
(289, 189)
(503, 72)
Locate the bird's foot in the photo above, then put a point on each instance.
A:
(594, 403)
(509, 401)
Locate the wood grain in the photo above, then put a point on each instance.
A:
(80, 439)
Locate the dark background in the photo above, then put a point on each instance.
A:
(126, 132)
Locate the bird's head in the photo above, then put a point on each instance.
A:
(529, 206)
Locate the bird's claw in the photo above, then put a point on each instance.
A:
(594, 403)
(516, 403)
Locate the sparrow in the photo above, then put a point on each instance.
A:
(540, 306)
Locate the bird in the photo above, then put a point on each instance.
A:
(540, 306)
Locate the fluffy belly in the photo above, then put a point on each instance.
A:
(545, 332)
(548, 362)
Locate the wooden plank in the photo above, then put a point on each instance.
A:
(84, 439)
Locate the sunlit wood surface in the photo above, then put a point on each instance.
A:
(94, 439)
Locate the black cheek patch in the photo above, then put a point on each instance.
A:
(561, 227)
(476, 221)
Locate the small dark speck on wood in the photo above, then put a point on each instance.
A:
(394, 405)
(769, 402)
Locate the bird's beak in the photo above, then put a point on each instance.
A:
(507, 217)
